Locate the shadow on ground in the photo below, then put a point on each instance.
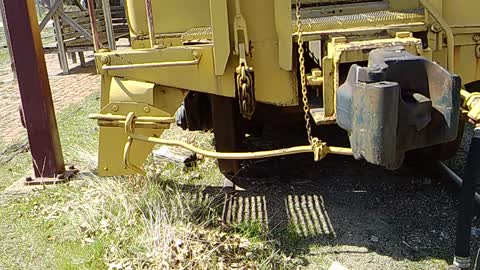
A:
(88, 69)
(346, 209)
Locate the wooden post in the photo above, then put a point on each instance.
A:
(62, 53)
(35, 93)
(107, 13)
(7, 38)
(82, 59)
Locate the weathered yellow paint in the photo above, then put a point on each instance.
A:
(144, 99)
(185, 28)
(284, 34)
(221, 35)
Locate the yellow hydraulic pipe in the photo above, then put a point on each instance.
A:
(244, 155)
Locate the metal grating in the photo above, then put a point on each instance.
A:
(198, 33)
(370, 19)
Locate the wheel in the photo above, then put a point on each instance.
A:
(227, 130)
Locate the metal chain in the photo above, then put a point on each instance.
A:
(303, 78)
(245, 92)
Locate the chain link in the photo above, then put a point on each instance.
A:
(303, 78)
(245, 92)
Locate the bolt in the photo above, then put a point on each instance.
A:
(105, 60)
(436, 28)
(115, 108)
(196, 54)
(105, 168)
(476, 38)
(146, 109)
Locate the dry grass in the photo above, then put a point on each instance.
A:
(155, 224)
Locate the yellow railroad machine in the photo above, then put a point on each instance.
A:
(383, 70)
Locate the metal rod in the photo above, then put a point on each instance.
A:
(107, 13)
(244, 155)
(465, 215)
(151, 25)
(35, 93)
(7, 37)
(93, 22)
(448, 30)
(112, 117)
(121, 124)
(456, 178)
(153, 65)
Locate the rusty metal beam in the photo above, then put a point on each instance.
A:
(93, 21)
(35, 90)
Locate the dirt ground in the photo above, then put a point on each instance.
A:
(360, 215)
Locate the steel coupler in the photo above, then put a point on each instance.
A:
(399, 102)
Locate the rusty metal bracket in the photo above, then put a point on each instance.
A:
(64, 177)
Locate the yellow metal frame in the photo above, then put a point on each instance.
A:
(151, 80)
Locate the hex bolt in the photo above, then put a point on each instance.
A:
(105, 168)
(476, 38)
(196, 54)
(115, 108)
(105, 60)
(146, 109)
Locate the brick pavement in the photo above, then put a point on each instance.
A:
(66, 90)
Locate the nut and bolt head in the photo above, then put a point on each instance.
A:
(476, 38)
(146, 109)
(105, 60)
(115, 108)
(196, 54)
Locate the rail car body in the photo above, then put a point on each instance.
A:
(387, 72)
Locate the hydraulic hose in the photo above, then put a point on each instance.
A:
(465, 216)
